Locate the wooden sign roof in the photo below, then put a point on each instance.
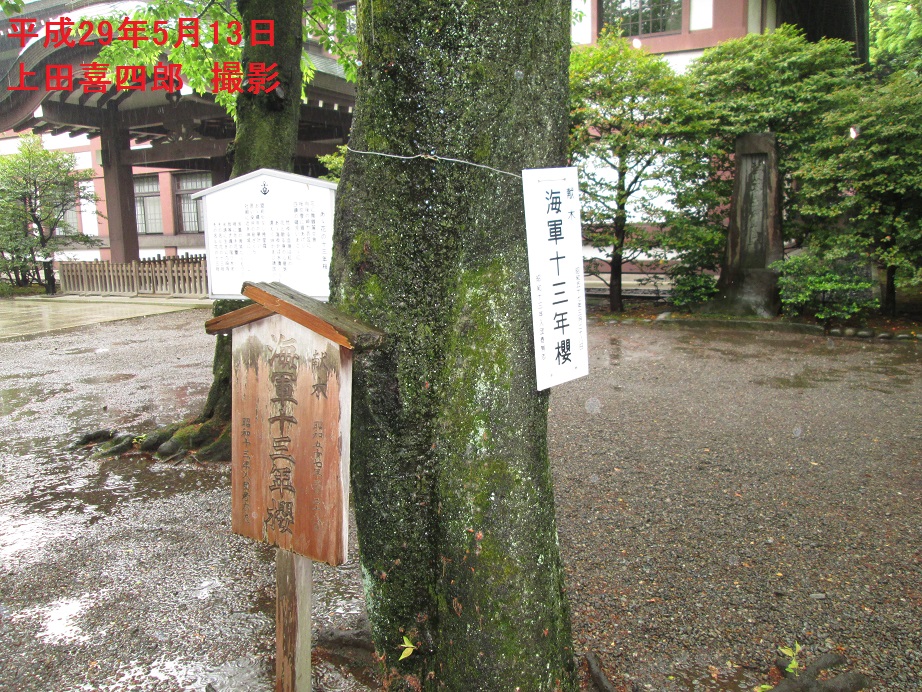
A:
(277, 299)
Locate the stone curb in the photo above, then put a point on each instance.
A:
(784, 327)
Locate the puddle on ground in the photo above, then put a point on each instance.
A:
(127, 342)
(893, 375)
(20, 534)
(57, 620)
(95, 488)
(614, 353)
(331, 669)
(59, 625)
(186, 394)
(16, 399)
(25, 375)
(240, 675)
(263, 603)
(108, 379)
(697, 348)
(808, 379)
(78, 351)
(332, 672)
(335, 600)
(713, 679)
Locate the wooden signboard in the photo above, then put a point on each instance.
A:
(292, 403)
(291, 392)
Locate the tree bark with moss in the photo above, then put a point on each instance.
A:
(450, 473)
(267, 136)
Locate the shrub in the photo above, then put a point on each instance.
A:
(830, 286)
(690, 287)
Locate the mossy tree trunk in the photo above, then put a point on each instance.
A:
(450, 473)
(267, 135)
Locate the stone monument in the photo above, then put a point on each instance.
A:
(747, 286)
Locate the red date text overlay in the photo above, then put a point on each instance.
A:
(96, 77)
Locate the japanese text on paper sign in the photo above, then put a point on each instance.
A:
(96, 77)
(555, 264)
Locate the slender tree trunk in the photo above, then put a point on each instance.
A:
(267, 134)
(889, 307)
(48, 273)
(615, 299)
(450, 473)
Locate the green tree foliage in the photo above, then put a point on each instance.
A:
(623, 110)
(37, 190)
(896, 35)
(777, 82)
(867, 169)
(11, 7)
(324, 22)
(334, 164)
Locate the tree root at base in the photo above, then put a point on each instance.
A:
(602, 683)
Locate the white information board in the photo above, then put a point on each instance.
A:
(269, 226)
(555, 263)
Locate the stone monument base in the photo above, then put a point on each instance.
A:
(753, 293)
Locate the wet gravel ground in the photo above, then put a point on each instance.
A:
(724, 493)
(124, 574)
(719, 494)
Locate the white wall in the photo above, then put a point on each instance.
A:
(88, 218)
(681, 60)
(9, 146)
(84, 159)
(581, 31)
(65, 141)
(702, 15)
(77, 256)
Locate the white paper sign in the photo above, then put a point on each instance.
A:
(555, 262)
(269, 226)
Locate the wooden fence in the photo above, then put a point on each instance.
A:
(173, 276)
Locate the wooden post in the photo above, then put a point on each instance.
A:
(294, 587)
(119, 190)
(202, 282)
